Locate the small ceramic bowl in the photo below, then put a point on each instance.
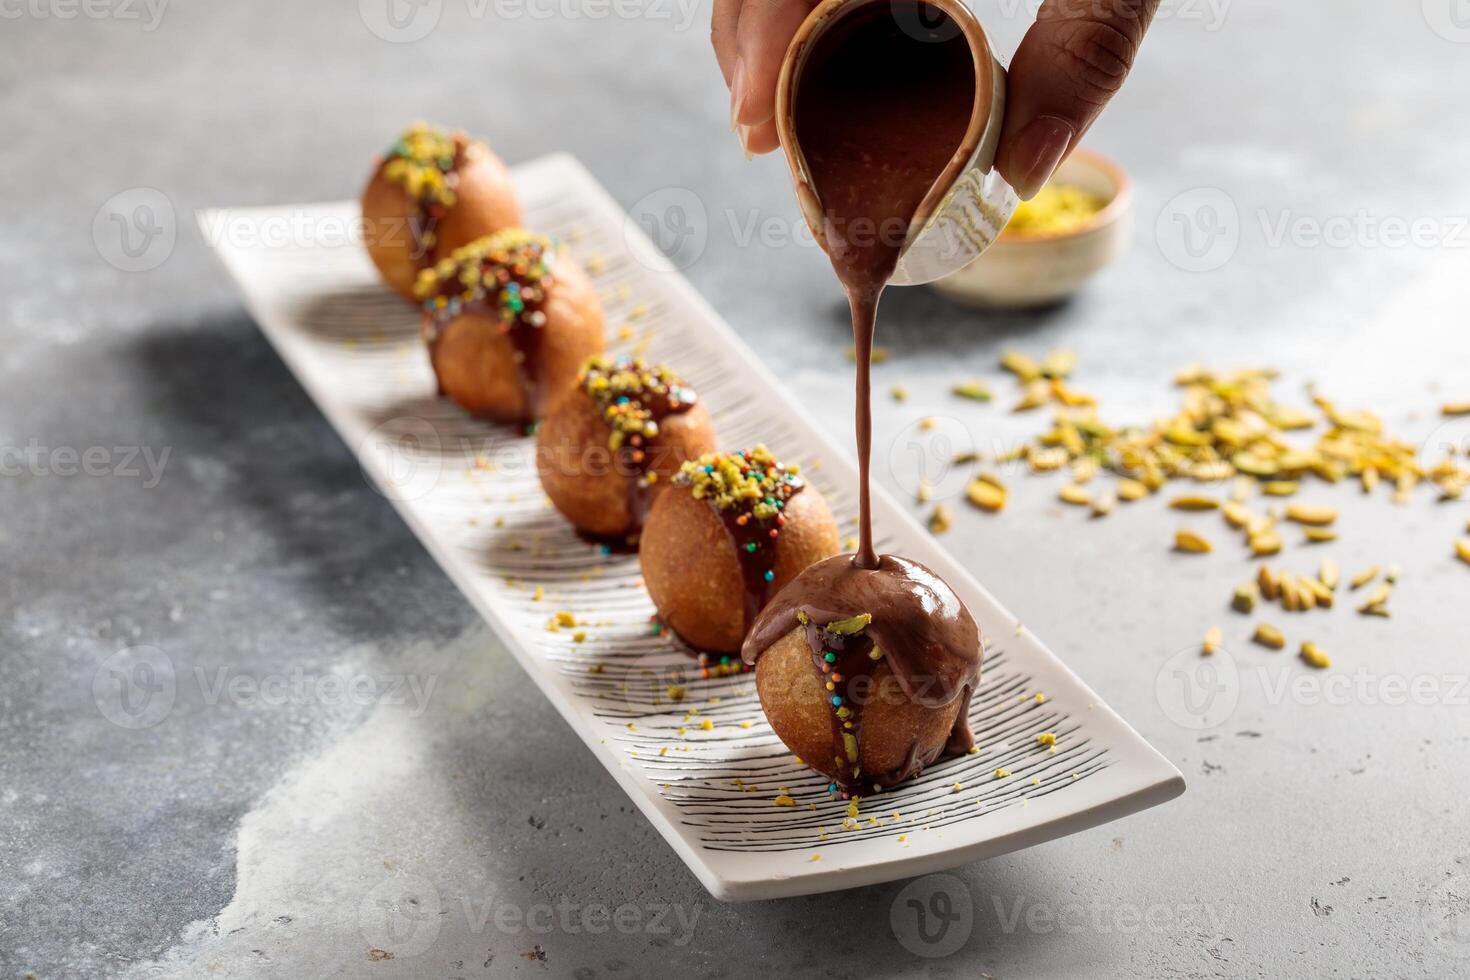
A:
(1028, 269)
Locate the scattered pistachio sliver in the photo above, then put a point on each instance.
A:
(1036, 394)
(1364, 577)
(900, 393)
(1194, 503)
(1391, 574)
(1131, 490)
(1310, 515)
(877, 356)
(1247, 594)
(923, 492)
(1269, 636)
(941, 520)
(1455, 408)
(1212, 641)
(1376, 602)
(1104, 503)
(1318, 535)
(1315, 656)
(1269, 582)
(1236, 514)
(985, 495)
(973, 390)
(851, 625)
(1071, 493)
(1265, 543)
(1046, 460)
(1058, 363)
(1462, 550)
(1280, 488)
(1320, 592)
(1191, 543)
(1330, 576)
(1369, 479)
(1020, 365)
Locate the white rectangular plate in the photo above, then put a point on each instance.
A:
(469, 491)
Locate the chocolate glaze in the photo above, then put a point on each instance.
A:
(752, 517)
(423, 222)
(514, 295)
(755, 561)
(924, 632)
(637, 454)
(881, 109)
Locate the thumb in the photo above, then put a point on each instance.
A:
(1071, 62)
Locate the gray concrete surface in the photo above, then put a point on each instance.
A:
(270, 825)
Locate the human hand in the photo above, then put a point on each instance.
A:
(1071, 62)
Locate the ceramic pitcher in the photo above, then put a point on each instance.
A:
(969, 204)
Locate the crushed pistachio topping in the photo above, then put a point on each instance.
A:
(850, 626)
(631, 395)
(752, 481)
(507, 272)
(422, 163)
(1057, 209)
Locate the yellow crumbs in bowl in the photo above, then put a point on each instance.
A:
(1056, 210)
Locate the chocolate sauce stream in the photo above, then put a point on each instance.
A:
(882, 108)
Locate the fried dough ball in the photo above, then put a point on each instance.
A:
(735, 528)
(508, 319)
(797, 705)
(612, 442)
(433, 192)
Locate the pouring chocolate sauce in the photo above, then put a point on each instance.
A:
(884, 103)
(881, 110)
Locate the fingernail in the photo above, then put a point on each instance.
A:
(744, 133)
(737, 92)
(1038, 150)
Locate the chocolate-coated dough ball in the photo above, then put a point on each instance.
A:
(508, 319)
(612, 442)
(733, 530)
(433, 192)
(798, 706)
